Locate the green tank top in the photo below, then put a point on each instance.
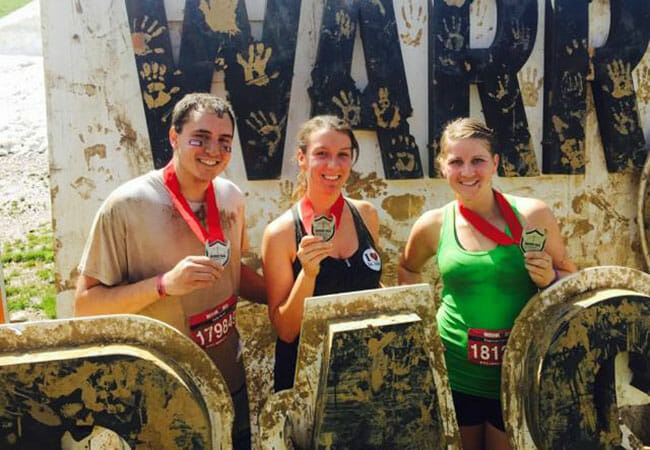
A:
(483, 290)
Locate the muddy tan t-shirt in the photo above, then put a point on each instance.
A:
(138, 234)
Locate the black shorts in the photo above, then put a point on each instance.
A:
(472, 410)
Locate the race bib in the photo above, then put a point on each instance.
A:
(210, 328)
(486, 347)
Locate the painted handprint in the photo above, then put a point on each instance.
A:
(456, 3)
(520, 36)
(414, 20)
(157, 94)
(644, 85)
(404, 158)
(530, 86)
(454, 39)
(506, 99)
(345, 25)
(142, 35)
(255, 66)
(621, 76)
(220, 15)
(572, 84)
(386, 114)
(350, 107)
(269, 129)
(623, 123)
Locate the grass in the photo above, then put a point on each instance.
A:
(7, 6)
(29, 272)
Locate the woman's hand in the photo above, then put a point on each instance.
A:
(311, 251)
(540, 268)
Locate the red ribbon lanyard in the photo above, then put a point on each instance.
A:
(490, 231)
(307, 212)
(214, 230)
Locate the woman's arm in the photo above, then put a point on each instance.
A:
(542, 265)
(420, 246)
(285, 295)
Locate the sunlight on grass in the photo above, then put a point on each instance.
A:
(7, 6)
(29, 272)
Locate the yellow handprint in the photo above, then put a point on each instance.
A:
(156, 94)
(345, 25)
(384, 110)
(530, 86)
(255, 66)
(269, 129)
(621, 76)
(220, 15)
(624, 124)
(414, 24)
(350, 107)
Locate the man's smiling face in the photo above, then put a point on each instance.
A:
(202, 148)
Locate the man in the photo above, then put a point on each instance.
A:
(147, 249)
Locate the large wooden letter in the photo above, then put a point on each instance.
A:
(614, 94)
(385, 104)
(565, 95)
(453, 66)
(216, 36)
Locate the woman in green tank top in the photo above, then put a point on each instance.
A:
(487, 279)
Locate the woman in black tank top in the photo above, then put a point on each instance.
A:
(324, 244)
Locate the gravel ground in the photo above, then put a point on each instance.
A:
(24, 179)
(24, 171)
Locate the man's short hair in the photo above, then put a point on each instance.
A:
(200, 101)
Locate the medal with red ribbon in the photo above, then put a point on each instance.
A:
(216, 246)
(321, 225)
(490, 231)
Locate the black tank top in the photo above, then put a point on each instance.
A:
(360, 271)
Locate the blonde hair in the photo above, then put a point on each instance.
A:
(465, 128)
(318, 123)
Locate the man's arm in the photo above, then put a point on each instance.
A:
(191, 273)
(94, 298)
(251, 285)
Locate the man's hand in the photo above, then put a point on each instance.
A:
(191, 273)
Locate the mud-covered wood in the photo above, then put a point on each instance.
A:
(559, 384)
(62, 381)
(384, 105)
(288, 417)
(566, 63)
(614, 93)
(453, 66)
(376, 389)
(142, 400)
(643, 212)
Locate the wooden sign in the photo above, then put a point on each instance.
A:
(575, 372)
(61, 381)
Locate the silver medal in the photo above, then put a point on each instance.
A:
(218, 251)
(533, 240)
(324, 227)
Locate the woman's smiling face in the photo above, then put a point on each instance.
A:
(468, 165)
(326, 161)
